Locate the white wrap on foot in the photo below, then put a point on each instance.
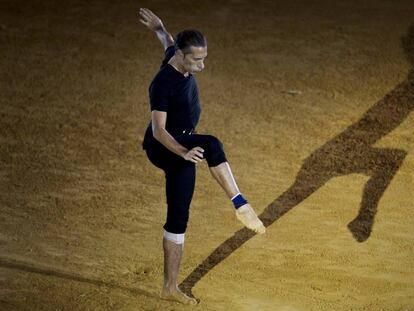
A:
(177, 238)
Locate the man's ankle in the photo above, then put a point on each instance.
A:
(238, 201)
(170, 288)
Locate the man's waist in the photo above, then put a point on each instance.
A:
(188, 131)
(149, 136)
(181, 131)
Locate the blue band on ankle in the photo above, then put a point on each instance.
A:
(238, 201)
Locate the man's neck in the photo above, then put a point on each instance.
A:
(173, 62)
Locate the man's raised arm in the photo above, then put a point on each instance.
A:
(154, 23)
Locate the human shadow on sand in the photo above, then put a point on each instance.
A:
(28, 267)
(349, 152)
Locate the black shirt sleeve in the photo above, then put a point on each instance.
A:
(169, 52)
(159, 95)
(159, 89)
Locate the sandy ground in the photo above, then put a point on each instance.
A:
(312, 100)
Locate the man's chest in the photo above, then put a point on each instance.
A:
(184, 96)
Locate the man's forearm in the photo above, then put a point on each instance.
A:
(165, 37)
(169, 142)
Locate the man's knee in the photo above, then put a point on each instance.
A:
(214, 151)
(176, 221)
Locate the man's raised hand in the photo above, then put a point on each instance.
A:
(150, 20)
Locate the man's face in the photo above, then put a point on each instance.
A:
(193, 60)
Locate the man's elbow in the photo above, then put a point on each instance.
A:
(167, 43)
(170, 40)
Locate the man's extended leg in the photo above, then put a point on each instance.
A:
(223, 175)
(220, 169)
(245, 213)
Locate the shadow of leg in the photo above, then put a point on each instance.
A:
(306, 183)
(384, 164)
(224, 250)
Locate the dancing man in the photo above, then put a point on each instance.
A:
(172, 145)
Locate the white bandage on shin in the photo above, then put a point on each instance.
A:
(177, 238)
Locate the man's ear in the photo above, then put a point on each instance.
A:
(180, 53)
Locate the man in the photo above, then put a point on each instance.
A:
(172, 145)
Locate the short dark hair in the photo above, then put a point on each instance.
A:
(188, 38)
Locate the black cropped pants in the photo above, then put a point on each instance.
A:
(180, 175)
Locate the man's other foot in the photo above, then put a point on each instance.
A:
(177, 296)
(249, 218)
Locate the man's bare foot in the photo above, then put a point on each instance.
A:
(249, 218)
(177, 295)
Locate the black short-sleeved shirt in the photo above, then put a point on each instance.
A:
(176, 94)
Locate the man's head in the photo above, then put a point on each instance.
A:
(191, 50)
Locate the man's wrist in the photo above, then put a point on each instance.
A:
(161, 29)
(183, 152)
